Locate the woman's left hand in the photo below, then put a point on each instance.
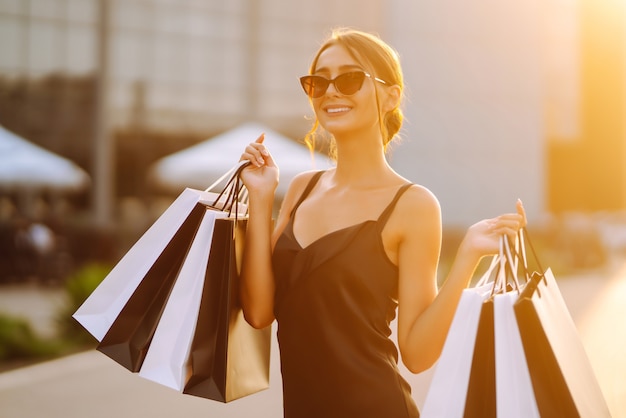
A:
(483, 238)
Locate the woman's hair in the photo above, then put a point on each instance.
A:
(380, 60)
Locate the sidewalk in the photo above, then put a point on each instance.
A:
(91, 385)
(602, 328)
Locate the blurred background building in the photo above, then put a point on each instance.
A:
(504, 100)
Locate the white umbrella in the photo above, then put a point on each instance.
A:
(24, 165)
(200, 165)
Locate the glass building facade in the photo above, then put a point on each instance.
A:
(179, 64)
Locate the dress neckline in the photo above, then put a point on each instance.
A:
(312, 182)
(326, 235)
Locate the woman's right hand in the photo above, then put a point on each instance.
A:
(261, 176)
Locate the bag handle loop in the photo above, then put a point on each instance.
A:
(508, 267)
(234, 191)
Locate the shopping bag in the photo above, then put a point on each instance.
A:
(164, 243)
(123, 311)
(514, 391)
(228, 357)
(499, 381)
(129, 335)
(447, 392)
(563, 381)
(165, 362)
(152, 315)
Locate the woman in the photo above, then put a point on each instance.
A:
(350, 246)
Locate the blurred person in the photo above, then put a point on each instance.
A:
(352, 246)
(42, 238)
(44, 242)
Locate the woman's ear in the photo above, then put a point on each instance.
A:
(393, 94)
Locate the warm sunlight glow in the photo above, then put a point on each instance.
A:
(587, 92)
(562, 66)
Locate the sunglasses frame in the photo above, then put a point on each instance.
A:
(307, 81)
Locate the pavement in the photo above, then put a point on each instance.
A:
(89, 385)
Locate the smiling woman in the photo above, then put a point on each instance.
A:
(369, 52)
(352, 246)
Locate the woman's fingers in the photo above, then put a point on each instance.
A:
(510, 220)
(507, 224)
(256, 152)
(485, 235)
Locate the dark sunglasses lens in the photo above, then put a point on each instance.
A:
(314, 86)
(350, 83)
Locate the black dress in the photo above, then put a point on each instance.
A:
(334, 302)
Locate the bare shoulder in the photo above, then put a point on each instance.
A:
(301, 180)
(414, 225)
(417, 212)
(296, 188)
(420, 202)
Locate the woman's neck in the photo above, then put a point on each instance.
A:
(360, 161)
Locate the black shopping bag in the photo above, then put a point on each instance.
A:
(563, 380)
(229, 358)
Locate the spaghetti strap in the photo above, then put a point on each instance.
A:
(307, 190)
(382, 219)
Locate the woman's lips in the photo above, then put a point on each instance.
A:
(334, 110)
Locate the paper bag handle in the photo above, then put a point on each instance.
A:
(234, 191)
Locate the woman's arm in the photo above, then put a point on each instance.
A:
(424, 313)
(256, 280)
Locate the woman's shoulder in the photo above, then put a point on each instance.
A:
(301, 181)
(418, 201)
(296, 187)
(304, 177)
(421, 193)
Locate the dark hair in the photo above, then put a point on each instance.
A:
(380, 60)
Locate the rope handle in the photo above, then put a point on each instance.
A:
(233, 193)
(518, 253)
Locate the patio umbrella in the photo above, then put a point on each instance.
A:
(26, 166)
(200, 165)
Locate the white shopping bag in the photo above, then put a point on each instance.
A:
(514, 390)
(448, 388)
(166, 360)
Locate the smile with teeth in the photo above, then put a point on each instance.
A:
(337, 109)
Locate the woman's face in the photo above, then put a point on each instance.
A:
(342, 114)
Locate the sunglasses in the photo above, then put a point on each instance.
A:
(347, 84)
